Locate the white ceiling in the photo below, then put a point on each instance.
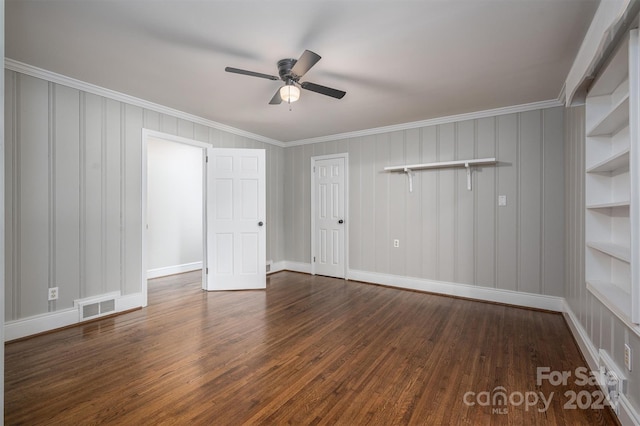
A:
(398, 61)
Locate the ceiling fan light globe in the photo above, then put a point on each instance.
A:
(289, 93)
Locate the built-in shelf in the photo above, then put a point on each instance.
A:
(612, 271)
(615, 120)
(614, 298)
(410, 168)
(613, 204)
(614, 250)
(616, 162)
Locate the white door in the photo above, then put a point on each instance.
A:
(329, 216)
(236, 240)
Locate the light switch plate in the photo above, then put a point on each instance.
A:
(502, 200)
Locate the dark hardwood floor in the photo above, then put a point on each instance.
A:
(308, 350)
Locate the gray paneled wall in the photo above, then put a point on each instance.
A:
(446, 232)
(605, 330)
(73, 192)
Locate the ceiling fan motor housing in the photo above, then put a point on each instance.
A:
(284, 69)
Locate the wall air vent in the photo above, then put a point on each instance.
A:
(95, 307)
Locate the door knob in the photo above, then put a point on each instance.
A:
(341, 221)
(260, 223)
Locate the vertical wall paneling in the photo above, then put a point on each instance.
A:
(66, 155)
(465, 208)
(288, 213)
(486, 202)
(10, 193)
(33, 167)
(168, 124)
(413, 213)
(73, 193)
(186, 129)
(201, 133)
(367, 196)
(381, 209)
(397, 205)
(112, 207)
(529, 222)
(151, 120)
(305, 238)
(429, 193)
(446, 204)
(553, 200)
(355, 203)
(3, 192)
(92, 138)
(446, 232)
(507, 148)
(133, 200)
(298, 207)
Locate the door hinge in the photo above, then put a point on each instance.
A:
(314, 169)
(314, 259)
(206, 159)
(206, 271)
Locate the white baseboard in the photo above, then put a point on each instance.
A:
(530, 300)
(628, 414)
(130, 301)
(39, 323)
(589, 351)
(171, 270)
(50, 321)
(276, 267)
(287, 265)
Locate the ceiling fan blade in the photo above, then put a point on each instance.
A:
(334, 93)
(277, 99)
(304, 64)
(251, 73)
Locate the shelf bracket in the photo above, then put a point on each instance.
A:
(466, 165)
(409, 173)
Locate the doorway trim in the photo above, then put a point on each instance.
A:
(314, 159)
(148, 134)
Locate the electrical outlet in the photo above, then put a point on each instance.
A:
(53, 293)
(627, 356)
(396, 243)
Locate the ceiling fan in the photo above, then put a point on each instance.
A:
(291, 71)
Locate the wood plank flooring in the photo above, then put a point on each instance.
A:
(308, 350)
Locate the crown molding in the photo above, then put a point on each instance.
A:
(431, 122)
(53, 77)
(23, 68)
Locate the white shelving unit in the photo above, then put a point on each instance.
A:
(612, 226)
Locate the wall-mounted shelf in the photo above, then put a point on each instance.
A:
(410, 168)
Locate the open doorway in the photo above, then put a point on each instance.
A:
(174, 200)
